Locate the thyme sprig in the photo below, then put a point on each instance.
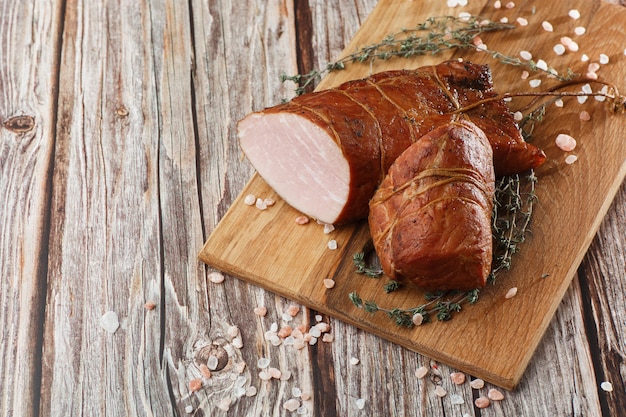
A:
(433, 36)
(440, 33)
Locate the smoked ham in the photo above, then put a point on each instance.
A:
(430, 219)
(325, 153)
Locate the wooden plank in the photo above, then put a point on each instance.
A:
(604, 274)
(29, 33)
(552, 235)
(125, 134)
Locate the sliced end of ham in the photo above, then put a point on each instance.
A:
(299, 160)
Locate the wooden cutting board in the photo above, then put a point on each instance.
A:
(495, 338)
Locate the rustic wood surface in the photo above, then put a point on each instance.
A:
(118, 159)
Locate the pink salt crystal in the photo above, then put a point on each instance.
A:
(565, 142)
(328, 338)
(417, 319)
(269, 202)
(495, 395)
(497, 4)
(477, 383)
(593, 67)
(421, 372)
(571, 159)
(482, 402)
(591, 75)
(585, 116)
(547, 26)
(293, 310)
(440, 391)
(302, 220)
(250, 199)
(291, 404)
(285, 331)
(522, 22)
(260, 204)
(329, 283)
(525, 74)
(274, 373)
(511, 293)
(457, 378)
(260, 311)
(510, 5)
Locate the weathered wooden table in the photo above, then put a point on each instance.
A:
(118, 158)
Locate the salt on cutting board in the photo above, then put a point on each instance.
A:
(495, 338)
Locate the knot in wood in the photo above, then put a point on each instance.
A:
(19, 124)
(214, 356)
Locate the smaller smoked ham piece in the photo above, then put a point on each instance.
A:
(326, 152)
(430, 219)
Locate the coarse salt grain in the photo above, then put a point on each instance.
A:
(149, 305)
(332, 244)
(510, 5)
(440, 391)
(584, 58)
(565, 142)
(571, 159)
(504, 20)
(329, 283)
(302, 220)
(263, 363)
(457, 378)
(305, 396)
(354, 361)
(260, 204)
(558, 102)
(232, 331)
(587, 89)
(542, 65)
(216, 277)
(534, 83)
(328, 338)
(205, 371)
(224, 404)
(497, 4)
(522, 21)
(482, 402)
(265, 376)
(110, 322)
(511, 293)
(417, 319)
(582, 99)
(250, 199)
(584, 116)
(518, 116)
(572, 46)
(360, 403)
(526, 55)
(477, 383)
(328, 228)
(525, 74)
(291, 404)
(606, 386)
(286, 375)
(250, 391)
(195, 385)
(495, 395)
(464, 16)
(260, 311)
(580, 30)
(293, 310)
(274, 372)
(315, 331)
(604, 59)
(547, 26)
(421, 372)
(559, 49)
(456, 399)
(574, 14)
(593, 67)
(212, 362)
(189, 409)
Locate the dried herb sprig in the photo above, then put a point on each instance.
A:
(433, 36)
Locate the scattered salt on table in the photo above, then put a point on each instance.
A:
(250, 200)
(477, 383)
(421, 372)
(440, 391)
(332, 244)
(547, 26)
(571, 159)
(495, 395)
(511, 293)
(110, 322)
(565, 142)
(216, 277)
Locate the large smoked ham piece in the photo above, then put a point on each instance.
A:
(326, 152)
(430, 219)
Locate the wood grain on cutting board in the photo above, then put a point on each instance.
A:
(495, 338)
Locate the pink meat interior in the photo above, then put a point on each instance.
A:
(299, 160)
